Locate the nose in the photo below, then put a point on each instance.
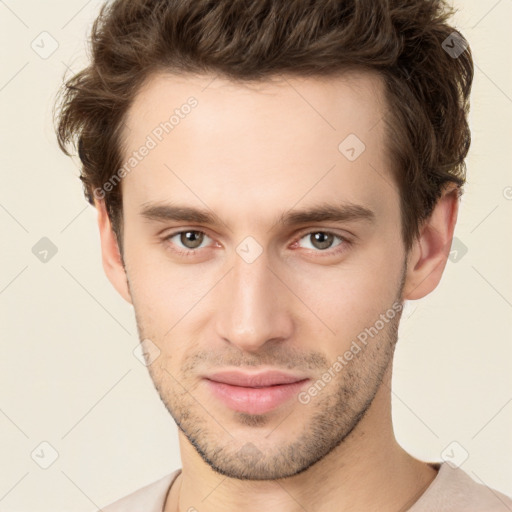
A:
(253, 306)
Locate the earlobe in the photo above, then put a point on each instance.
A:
(427, 259)
(110, 254)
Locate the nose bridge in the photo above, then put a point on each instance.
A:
(252, 308)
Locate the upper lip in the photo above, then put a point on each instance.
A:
(254, 380)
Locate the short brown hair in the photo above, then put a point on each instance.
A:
(406, 41)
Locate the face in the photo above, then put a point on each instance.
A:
(250, 285)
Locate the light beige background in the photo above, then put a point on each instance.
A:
(68, 373)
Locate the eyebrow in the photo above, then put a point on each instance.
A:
(344, 212)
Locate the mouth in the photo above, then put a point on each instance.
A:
(254, 393)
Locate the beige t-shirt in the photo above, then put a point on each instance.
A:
(453, 490)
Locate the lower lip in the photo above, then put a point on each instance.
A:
(254, 400)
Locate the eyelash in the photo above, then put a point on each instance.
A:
(343, 246)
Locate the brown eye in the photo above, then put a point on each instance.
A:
(186, 241)
(191, 239)
(321, 240)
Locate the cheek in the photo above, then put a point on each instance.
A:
(154, 277)
(353, 294)
(169, 299)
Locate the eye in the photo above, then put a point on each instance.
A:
(323, 240)
(190, 240)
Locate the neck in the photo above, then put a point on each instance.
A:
(368, 471)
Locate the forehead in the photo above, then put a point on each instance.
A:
(281, 140)
(347, 100)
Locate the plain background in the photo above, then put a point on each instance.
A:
(69, 376)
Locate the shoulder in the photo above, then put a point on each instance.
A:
(149, 498)
(454, 490)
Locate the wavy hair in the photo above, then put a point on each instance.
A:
(409, 43)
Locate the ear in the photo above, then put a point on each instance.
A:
(110, 254)
(427, 259)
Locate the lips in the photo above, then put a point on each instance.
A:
(256, 393)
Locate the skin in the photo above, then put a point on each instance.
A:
(250, 153)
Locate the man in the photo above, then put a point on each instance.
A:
(273, 180)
